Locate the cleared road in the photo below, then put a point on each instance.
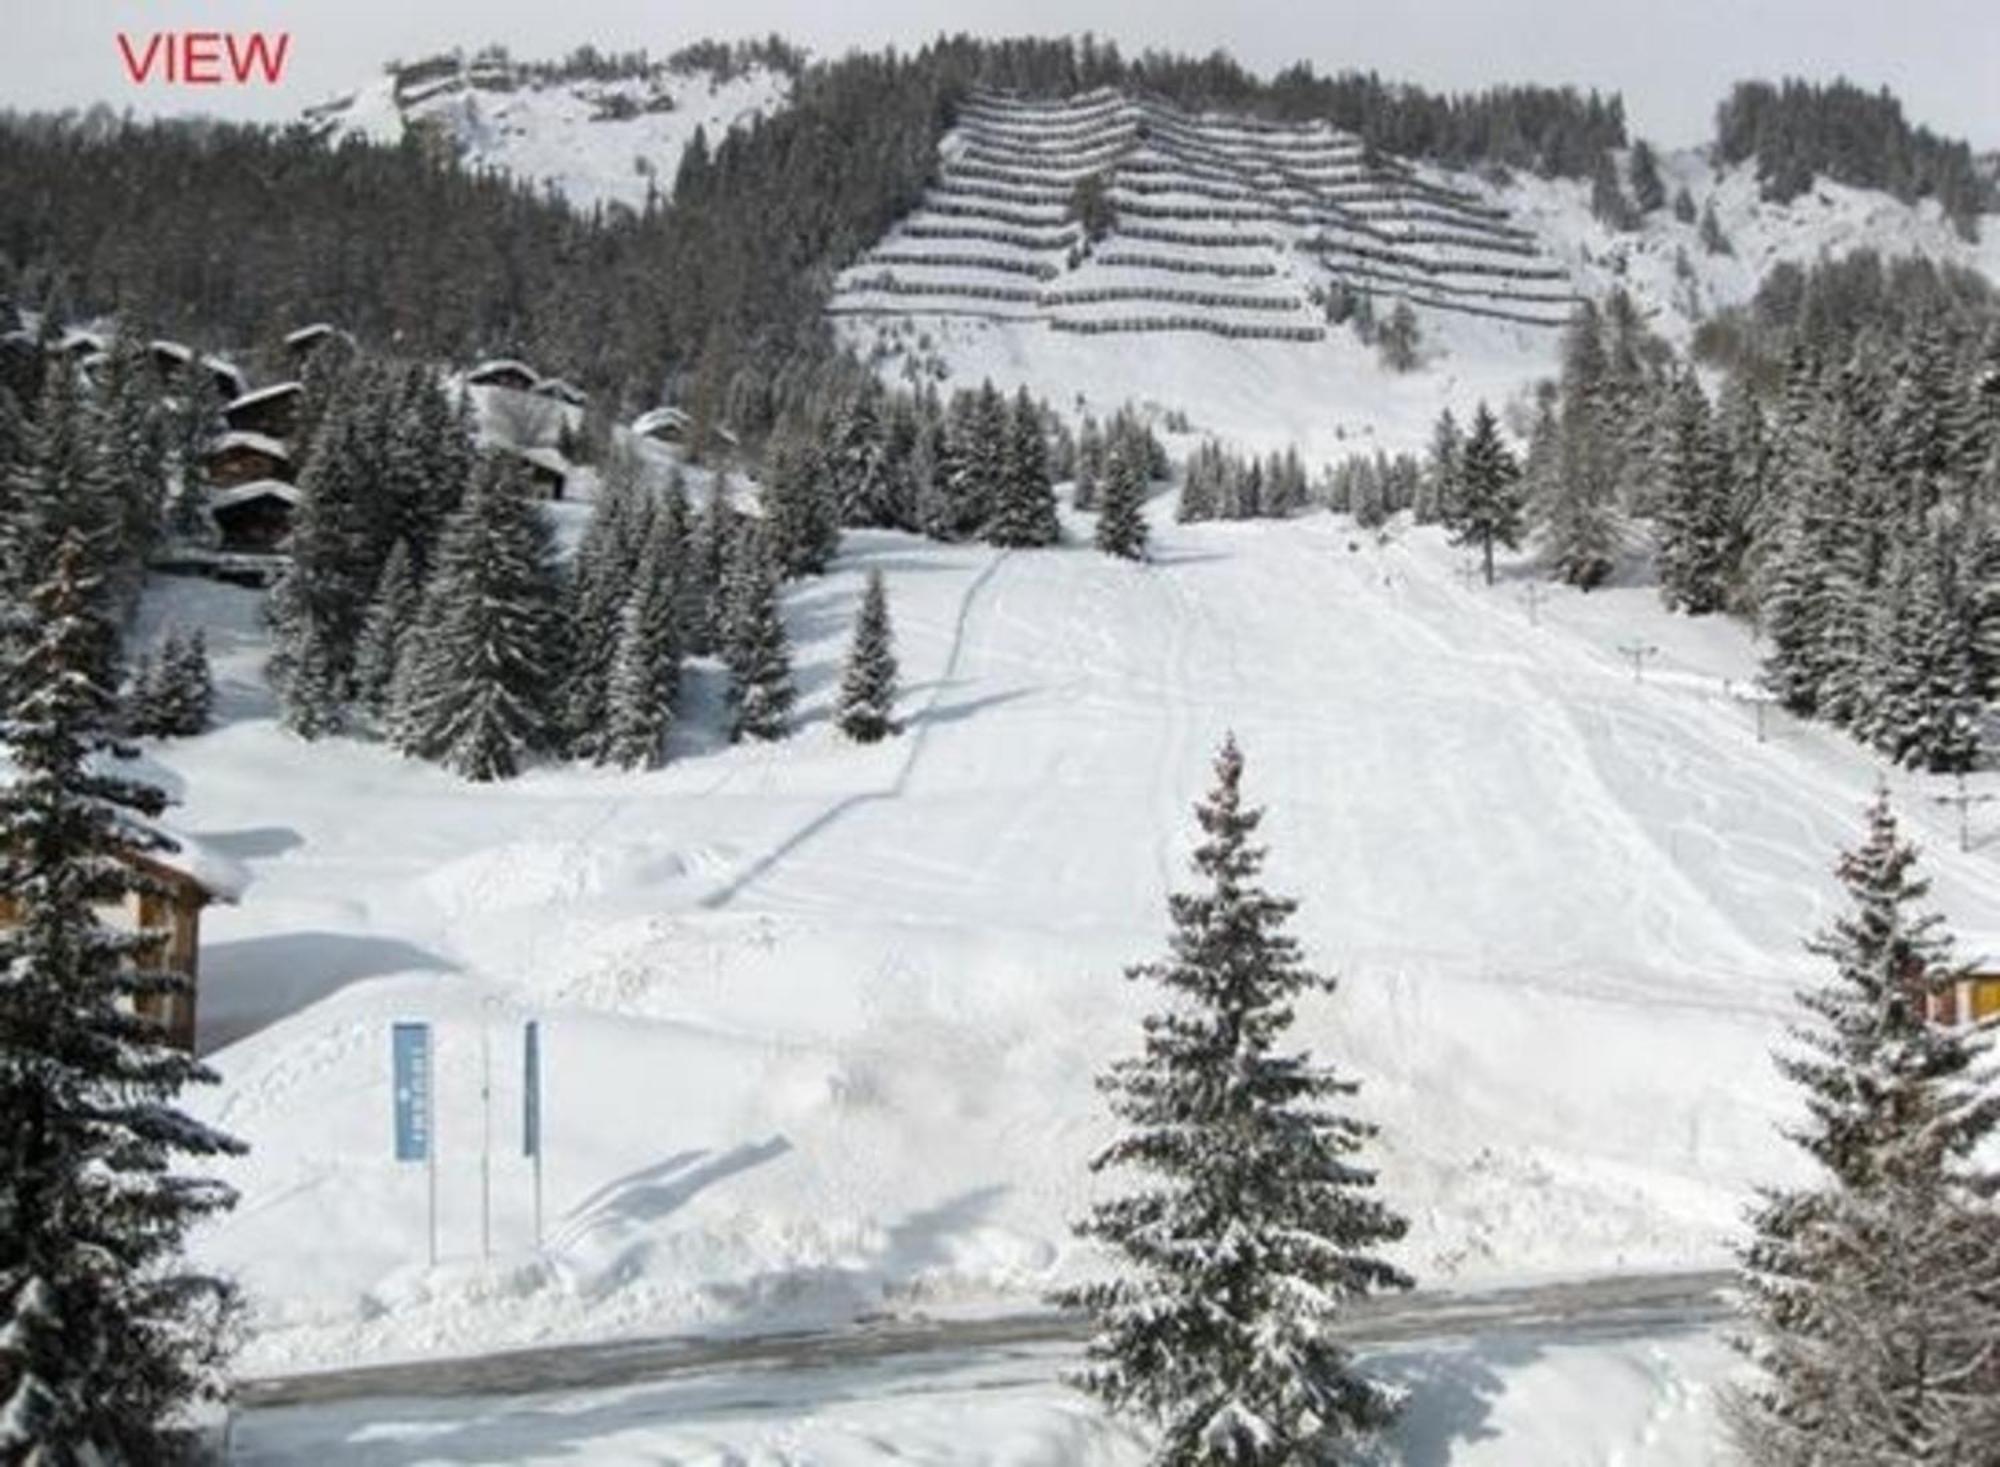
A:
(1578, 1309)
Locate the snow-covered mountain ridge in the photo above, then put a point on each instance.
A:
(596, 140)
(1228, 236)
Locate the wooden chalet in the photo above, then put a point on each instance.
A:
(504, 372)
(227, 377)
(305, 342)
(1975, 997)
(243, 457)
(184, 882)
(547, 471)
(269, 410)
(169, 358)
(254, 518)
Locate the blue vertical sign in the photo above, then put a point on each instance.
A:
(531, 1089)
(410, 1047)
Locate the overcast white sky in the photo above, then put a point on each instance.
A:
(1672, 59)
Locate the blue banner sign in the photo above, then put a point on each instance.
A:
(531, 1089)
(410, 1047)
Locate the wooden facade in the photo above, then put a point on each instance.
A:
(270, 410)
(1973, 999)
(254, 518)
(172, 917)
(244, 458)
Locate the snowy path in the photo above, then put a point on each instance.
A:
(821, 1021)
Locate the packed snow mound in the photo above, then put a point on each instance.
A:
(616, 140)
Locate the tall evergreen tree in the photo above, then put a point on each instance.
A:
(1121, 521)
(1489, 509)
(318, 608)
(1024, 512)
(1693, 500)
(478, 697)
(1873, 1292)
(867, 709)
(385, 633)
(645, 668)
(105, 1332)
(61, 489)
(1256, 1228)
(761, 693)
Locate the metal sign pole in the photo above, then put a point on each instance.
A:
(485, 1134)
(414, 1094)
(531, 1111)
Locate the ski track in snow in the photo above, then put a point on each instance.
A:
(821, 1020)
(736, 885)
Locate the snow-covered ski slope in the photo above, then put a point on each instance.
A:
(822, 1020)
(596, 142)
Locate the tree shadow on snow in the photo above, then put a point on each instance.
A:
(251, 983)
(659, 1190)
(954, 712)
(1451, 1390)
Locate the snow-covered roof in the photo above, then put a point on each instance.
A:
(501, 366)
(76, 339)
(257, 442)
(164, 348)
(262, 394)
(255, 489)
(312, 332)
(543, 457)
(563, 391)
(227, 370)
(656, 419)
(224, 878)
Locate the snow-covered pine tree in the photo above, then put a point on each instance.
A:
(318, 608)
(1089, 464)
(60, 488)
(705, 575)
(645, 668)
(800, 513)
(1121, 521)
(867, 709)
(1872, 1293)
(1693, 503)
(1925, 709)
(190, 683)
(1255, 1227)
(392, 613)
(133, 452)
(926, 471)
(477, 697)
(1489, 509)
(1024, 512)
(600, 580)
(1648, 192)
(1437, 496)
(979, 459)
(760, 657)
(172, 695)
(1201, 485)
(863, 486)
(105, 1332)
